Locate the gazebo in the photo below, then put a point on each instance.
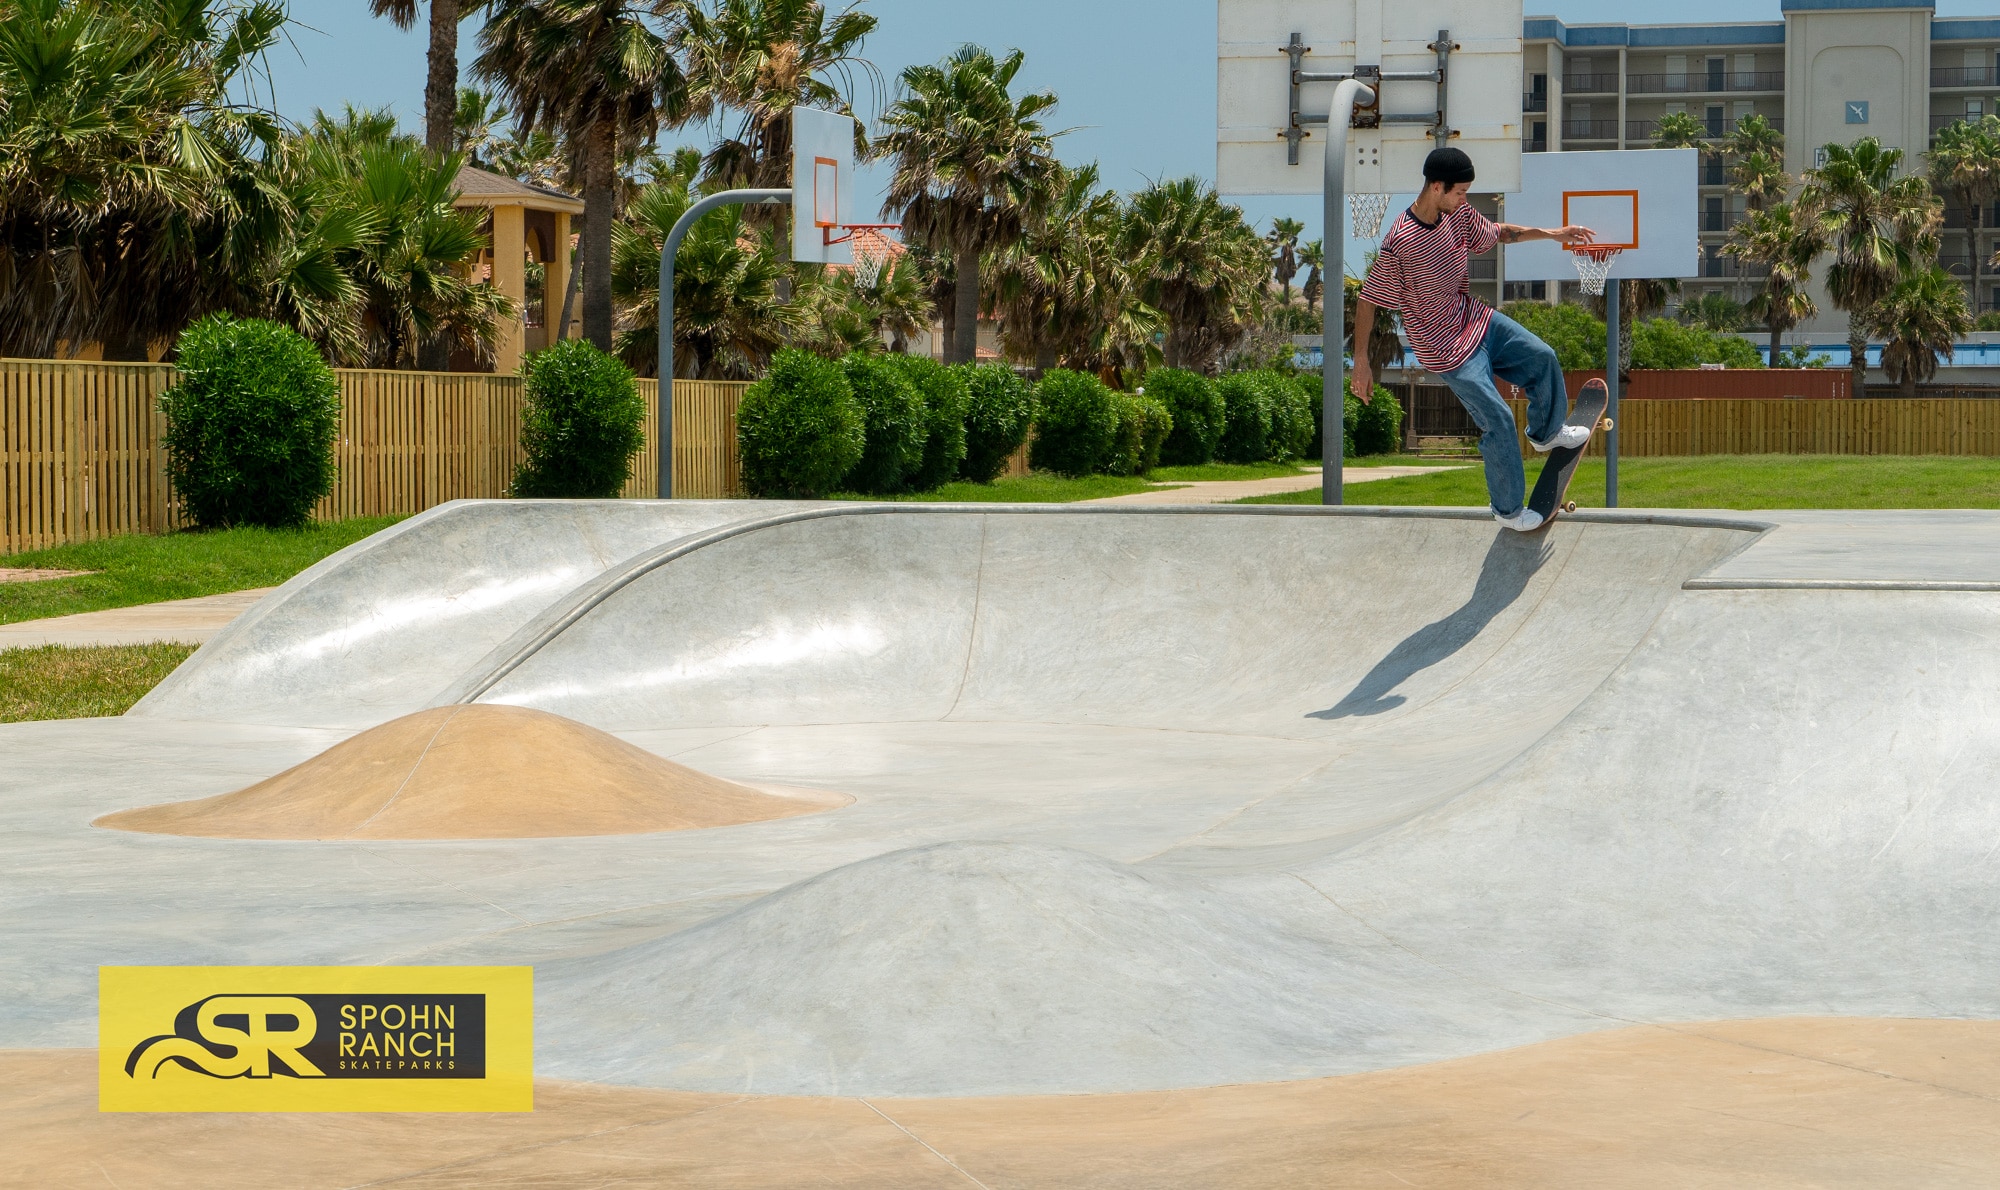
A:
(524, 223)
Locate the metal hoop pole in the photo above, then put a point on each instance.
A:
(665, 434)
(1333, 404)
(1611, 347)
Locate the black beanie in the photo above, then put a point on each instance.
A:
(1450, 166)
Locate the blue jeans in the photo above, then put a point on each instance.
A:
(1511, 352)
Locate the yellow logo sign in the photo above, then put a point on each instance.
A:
(315, 1038)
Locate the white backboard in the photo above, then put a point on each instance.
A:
(822, 185)
(1642, 198)
(1253, 98)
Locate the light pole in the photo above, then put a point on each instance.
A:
(665, 434)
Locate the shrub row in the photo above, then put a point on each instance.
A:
(878, 424)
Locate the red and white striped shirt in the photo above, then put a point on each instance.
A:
(1422, 271)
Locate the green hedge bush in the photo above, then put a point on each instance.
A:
(583, 423)
(799, 430)
(946, 403)
(1664, 343)
(1143, 426)
(1246, 430)
(997, 419)
(1377, 427)
(896, 426)
(1578, 338)
(251, 424)
(1077, 427)
(1292, 421)
(1197, 412)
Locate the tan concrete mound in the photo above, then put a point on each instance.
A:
(475, 772)
(1769, 1103)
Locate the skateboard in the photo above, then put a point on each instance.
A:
(1552, 486)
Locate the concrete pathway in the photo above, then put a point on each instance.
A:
(16, 574)
(191, 621)
(1223, 491)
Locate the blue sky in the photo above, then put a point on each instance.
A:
(1136, 77)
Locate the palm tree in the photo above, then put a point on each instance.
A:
(728, 319)
(1878, 226)
(967, 156)
(1920, 318)
(1761, 179)
(406, 249)
(897, 304)
(441, 83)
(1965, 166)
(761, 58)
(473, 124)
(601, 73)
(1200, 265)
(133, 192)
(1786, 246)
(1313, 255)
(1715, 311)
(1678, 130)
(1754, 136)
(1050, 287)
(1384, 345)
(1284, 241)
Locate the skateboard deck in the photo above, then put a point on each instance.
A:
(1551, 493)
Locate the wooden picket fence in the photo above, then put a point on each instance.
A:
(1920, 426)
(80, 453)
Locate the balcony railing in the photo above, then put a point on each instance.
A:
(1940, 123)
(1706, 82)
(1575, 84)
(1590, 130)
(1954, 218)
(1720, 220)
(1531, 102)
(1483, 268)
(1531, 144)
(1963, 76)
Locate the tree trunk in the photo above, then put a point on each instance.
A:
(1776, 336)
(441, 87)
(1857, 358)
(1972, 220)
(600, 199)
(963, 345)
(1045, 358)
(1907, 384)
(569, 297)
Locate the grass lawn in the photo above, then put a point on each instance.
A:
(1724, 481)
(142, 569)
(53, 682)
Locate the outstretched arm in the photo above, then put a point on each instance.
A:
(1512, 233)
(1364, 325)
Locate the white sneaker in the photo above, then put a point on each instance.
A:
(1525, 521)
(1567, 436)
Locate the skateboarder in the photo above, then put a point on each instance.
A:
(1422, 271)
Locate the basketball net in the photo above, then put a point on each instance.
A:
(1366, 210)
(1593, 265)
(873, 250)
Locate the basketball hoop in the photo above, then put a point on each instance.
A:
(1593, 265)
(873, 249)
(1367, 211)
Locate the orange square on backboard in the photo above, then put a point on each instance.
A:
(1612, 214)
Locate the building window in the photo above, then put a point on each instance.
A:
(1715, 119)
(1746, 72)
(1715, 74)
(1711, 213)
(1527, 291)
(1974, 109)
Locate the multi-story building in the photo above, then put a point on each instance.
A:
(1830, 70)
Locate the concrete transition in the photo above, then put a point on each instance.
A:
(1145, 798)
(474, 772)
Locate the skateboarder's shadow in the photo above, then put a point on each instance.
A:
(1511, 561)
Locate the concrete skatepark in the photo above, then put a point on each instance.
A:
(1070, 818)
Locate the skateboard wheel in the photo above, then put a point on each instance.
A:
(1605, 424)
(1569, 506)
